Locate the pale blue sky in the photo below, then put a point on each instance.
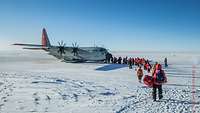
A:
(137, 25)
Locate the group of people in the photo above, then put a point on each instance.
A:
(116, 60)
(156, 72)
(157, 75)
(139, 62)
(129, 61)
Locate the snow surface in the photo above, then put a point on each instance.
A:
(35, 82)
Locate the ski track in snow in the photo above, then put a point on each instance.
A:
(52, 92)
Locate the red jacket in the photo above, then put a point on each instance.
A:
(159, 68)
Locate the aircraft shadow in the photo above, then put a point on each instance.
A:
(110, 67)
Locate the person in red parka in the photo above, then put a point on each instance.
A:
(140, 73)
(159, 78)
(148, 67)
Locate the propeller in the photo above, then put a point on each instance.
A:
(75, 49)
(61, 47)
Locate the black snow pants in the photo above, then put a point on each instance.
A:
(155, 87)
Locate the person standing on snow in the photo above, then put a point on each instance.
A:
(154, 68)
(119, 60)
(148, 67)
(158, 79)
(111, 59)
(130, 63)
(115, 60)
(124, 60)
(140, 73)
(133, 61)
(166, 65)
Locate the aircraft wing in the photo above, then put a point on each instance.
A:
(34, 45)
(36, 48)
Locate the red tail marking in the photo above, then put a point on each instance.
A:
(44, 38)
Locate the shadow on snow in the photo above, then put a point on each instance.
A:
(111, 67)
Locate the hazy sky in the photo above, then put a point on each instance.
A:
(146, 25)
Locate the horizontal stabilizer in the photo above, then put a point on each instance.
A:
(35, 45)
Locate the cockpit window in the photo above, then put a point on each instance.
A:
(99, 50)
(102, 49)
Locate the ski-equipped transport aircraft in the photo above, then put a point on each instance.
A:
(69, 54)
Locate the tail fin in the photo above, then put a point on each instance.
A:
(45, 39)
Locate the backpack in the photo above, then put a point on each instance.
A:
(160, 77)
(139, 72)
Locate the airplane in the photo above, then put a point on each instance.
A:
(71, 54)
